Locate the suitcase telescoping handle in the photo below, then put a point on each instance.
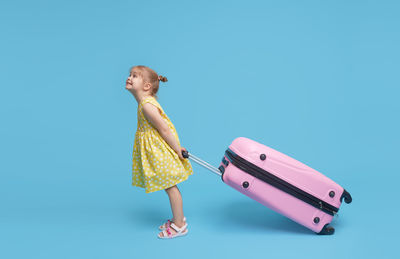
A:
(186, 154)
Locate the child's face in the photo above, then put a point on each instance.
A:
(135, 83)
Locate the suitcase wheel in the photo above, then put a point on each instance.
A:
(346, 196)
(327, 230)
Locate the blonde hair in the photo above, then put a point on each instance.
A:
(149, 75)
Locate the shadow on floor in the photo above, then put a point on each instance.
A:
(254, 216)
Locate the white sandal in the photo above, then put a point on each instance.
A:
(179, 231)
(168, 223)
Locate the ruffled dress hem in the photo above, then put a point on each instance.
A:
(161, 187)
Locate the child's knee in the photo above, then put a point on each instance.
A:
(172, 188)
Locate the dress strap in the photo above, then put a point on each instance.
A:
(146, 100)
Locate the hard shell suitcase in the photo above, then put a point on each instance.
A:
(281, 183)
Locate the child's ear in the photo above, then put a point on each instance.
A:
(147, 86)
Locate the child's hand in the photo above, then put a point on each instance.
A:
(180, 153)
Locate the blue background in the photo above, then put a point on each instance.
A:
(316, 80)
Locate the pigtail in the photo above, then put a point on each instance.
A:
(162, 78)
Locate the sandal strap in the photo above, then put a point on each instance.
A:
(167, 223)
(170, 220)
(169, 232)
(166, 233)
(178, 230)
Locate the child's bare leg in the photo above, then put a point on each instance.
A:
(175, 199)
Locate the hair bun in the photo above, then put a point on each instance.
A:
(161, 78)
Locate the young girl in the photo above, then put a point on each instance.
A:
(158, 163)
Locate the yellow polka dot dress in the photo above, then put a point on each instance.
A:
(156, 166)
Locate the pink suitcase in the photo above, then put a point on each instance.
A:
(281, 183)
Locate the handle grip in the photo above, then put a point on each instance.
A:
(218, 171)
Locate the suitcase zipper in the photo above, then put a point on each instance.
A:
(282, 185)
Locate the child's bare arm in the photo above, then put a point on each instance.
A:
(153, 115)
